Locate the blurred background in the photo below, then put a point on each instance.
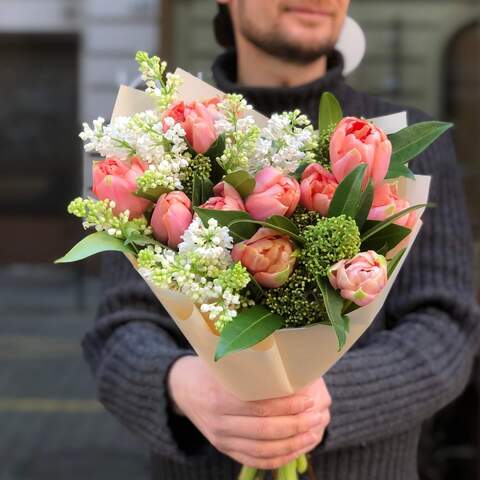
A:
(61, 62)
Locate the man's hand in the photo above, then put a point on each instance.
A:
(262, 434)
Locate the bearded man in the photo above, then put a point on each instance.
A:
(362, 420)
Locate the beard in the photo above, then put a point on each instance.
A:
(277, 45)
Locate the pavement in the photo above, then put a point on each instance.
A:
(51, 425)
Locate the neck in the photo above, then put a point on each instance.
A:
(255, 68)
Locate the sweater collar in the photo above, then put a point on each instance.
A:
(276, 99)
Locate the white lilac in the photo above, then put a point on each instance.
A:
(202, 270)
(142, 135)
(286, 141)
(98, 214)
(240, 131)
(162, 86)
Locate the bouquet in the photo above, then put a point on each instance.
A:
(271, 244)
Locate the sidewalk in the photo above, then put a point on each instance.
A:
(52, 427)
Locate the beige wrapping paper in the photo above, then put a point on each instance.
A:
(290, 358)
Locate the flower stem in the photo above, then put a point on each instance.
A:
(302, 464)
(247, 473)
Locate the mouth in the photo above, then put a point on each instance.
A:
(308, 11)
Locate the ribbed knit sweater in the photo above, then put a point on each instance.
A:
(414, 359)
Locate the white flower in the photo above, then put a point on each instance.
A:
(286, 141)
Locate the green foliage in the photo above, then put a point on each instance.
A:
(299, 301)
(330, 112)
(242, 182)
(95, 243)
(329, 241)
(385, 239)
(323, 152)
(377, 227)
(303, 218)
(395, 261)
(202, 190)
(334, 305)
(248, 328)
(348, 195)
(199, 166)
(411, 142)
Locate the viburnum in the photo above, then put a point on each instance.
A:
(330, 240)
(299, 301)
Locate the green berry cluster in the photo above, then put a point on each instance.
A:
(329, 241)
(303, 218)
(199, 165)
(299, 301)
(323, 157)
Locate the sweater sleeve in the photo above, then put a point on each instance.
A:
(130, 350)
(402, 375)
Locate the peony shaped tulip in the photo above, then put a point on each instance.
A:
(317, 188)
(226, 198)
(198, 121)
(116, 180)
(360, 279)
(274, 194)
(356, 141)
(268, 256)
(171, 217)
(387, 202)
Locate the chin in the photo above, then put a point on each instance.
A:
(307, 40)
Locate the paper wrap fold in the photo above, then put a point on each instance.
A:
(290, 358)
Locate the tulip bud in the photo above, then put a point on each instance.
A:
(268, 256)
(360, 279)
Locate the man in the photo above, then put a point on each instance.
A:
(362, 420)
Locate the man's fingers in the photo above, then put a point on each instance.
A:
(275, 407)
(266, 463)
(269, 428)
(265, 449)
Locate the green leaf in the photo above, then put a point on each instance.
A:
(386, 239)
(242, 182)
(397, 170)
(334, 306)
(202, 190)
(152, 194)
(385, 223)
(141, 240)
(240, 224)
(330, 112)
(365, 205)
(414, 139)
(256, 289)
(217, 148)
(95, 243)
(248, 328)
(300, 169)
(276, 222)
(347, 197)
(394, 262)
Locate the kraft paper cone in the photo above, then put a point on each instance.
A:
(290, 358)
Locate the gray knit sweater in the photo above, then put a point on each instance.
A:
(413, 360)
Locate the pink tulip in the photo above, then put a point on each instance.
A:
(117, 181)
(171, 217)
(274, 194)
(360, 279)
(386, 202)
(268, 256)
(356, 141)
(317, 188)
(226, 198)
(198, 121)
